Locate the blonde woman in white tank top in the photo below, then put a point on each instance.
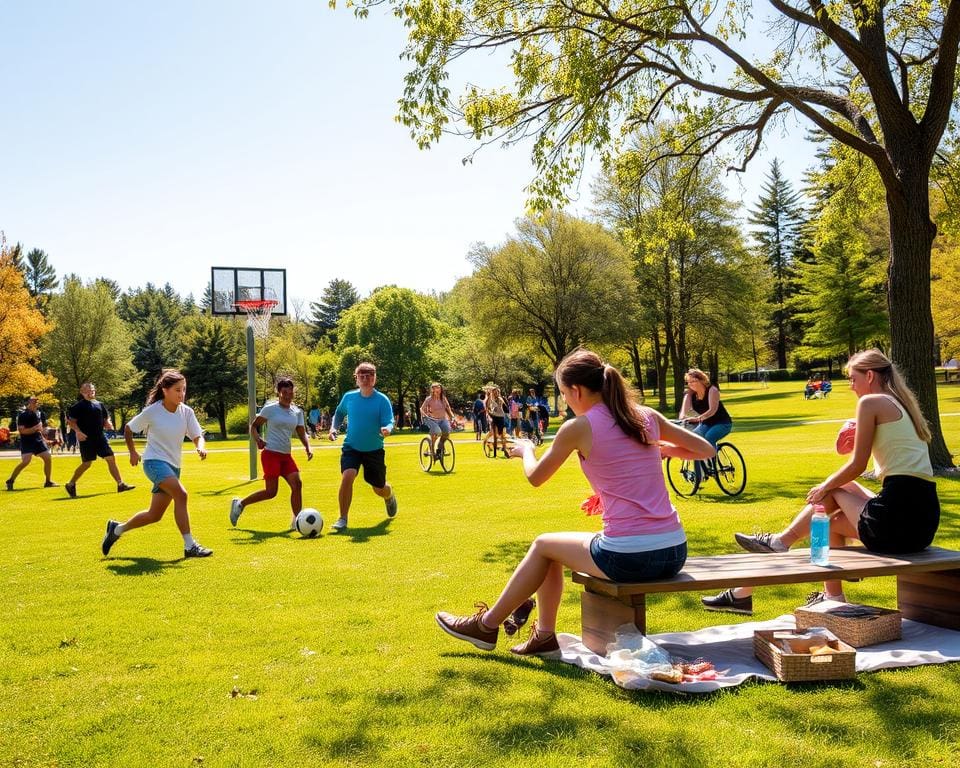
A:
(902, 518)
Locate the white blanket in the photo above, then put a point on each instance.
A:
(730, 648)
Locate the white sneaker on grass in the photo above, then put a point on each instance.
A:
(339, 524)
(235, 509)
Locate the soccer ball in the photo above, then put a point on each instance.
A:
(309, 523)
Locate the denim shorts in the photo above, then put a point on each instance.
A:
(630, 567)
(438, 426)
(157, 471)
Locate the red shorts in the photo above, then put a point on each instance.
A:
(277, 464)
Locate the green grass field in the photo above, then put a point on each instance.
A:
(279, 651)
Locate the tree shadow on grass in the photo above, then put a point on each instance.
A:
(141, 566)
(508, 553)
(221, 491)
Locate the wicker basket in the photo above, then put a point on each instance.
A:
(856, 625)
(804, 667)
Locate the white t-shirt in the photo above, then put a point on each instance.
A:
(165, 431)
(281, 424)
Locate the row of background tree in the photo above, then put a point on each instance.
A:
(664, 277)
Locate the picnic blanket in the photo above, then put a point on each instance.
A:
(730, 648)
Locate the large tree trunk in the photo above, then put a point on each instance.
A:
(908, 299)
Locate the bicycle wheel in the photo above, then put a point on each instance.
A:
(682, 476)
(731, 473)
(448, 456)
(489, 449)
(426, 455)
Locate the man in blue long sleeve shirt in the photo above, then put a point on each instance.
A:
(369, 417)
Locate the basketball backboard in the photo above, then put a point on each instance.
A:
(230, 285)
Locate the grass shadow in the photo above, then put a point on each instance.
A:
(258, 537)
(361, 535)
(141, 566)
(221, 491)
(509, 553)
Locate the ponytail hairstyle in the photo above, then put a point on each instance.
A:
(584, 368)
(893, 384)
(166, 380)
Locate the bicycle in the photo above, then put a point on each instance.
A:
(445, 455)
(490, 447)
(728, 468)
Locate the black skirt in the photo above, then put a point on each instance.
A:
(903, 518)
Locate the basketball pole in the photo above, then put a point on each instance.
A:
(251, 398)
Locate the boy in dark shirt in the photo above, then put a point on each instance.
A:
(88, 418)
(30, 424)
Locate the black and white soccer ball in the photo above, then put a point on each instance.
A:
(309, 523)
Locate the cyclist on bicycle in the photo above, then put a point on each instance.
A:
(702, 406)
(438, 414)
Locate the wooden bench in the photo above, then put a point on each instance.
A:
(928, 585)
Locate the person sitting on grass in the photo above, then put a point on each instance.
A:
(620, 445)
(901, 519)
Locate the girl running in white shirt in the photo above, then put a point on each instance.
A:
(166, 421)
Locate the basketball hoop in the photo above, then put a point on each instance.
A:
(258, 314)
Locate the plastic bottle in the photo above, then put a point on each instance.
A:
(819, 536)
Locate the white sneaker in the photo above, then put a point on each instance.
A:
(235, 509)
(339, 524)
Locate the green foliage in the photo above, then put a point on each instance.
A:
(88, 342)
(337, 298)
(842, 298)
(40, 276)
(154, 315)
(238, 420)
(778, 220)
(560, 282)
(394, 326)
(698, 286)
(215, 364)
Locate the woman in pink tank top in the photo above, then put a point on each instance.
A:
(620, 445)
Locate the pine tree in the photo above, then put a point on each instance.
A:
(779, 219)
(337, 298)
(40, 276)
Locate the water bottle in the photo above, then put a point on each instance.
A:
(819, 536)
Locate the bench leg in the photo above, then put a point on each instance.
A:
(931, 598)
(601, 616)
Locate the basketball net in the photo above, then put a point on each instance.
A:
(258, 314)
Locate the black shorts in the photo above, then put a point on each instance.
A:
(902, 518)
(374, 467)
(32, 445)
(499, 422)
(90, 449)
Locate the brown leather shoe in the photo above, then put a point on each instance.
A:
(542, 644)
(470, 628)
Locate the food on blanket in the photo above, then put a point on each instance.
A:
(675, 675)
(846, 437)
(707, 674)
(696, 667)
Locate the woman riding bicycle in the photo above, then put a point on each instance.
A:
(701, 404)
(436, 410)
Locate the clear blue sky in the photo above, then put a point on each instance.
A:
(150, 141)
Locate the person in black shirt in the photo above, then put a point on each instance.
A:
(31, 423)
(88, 418)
